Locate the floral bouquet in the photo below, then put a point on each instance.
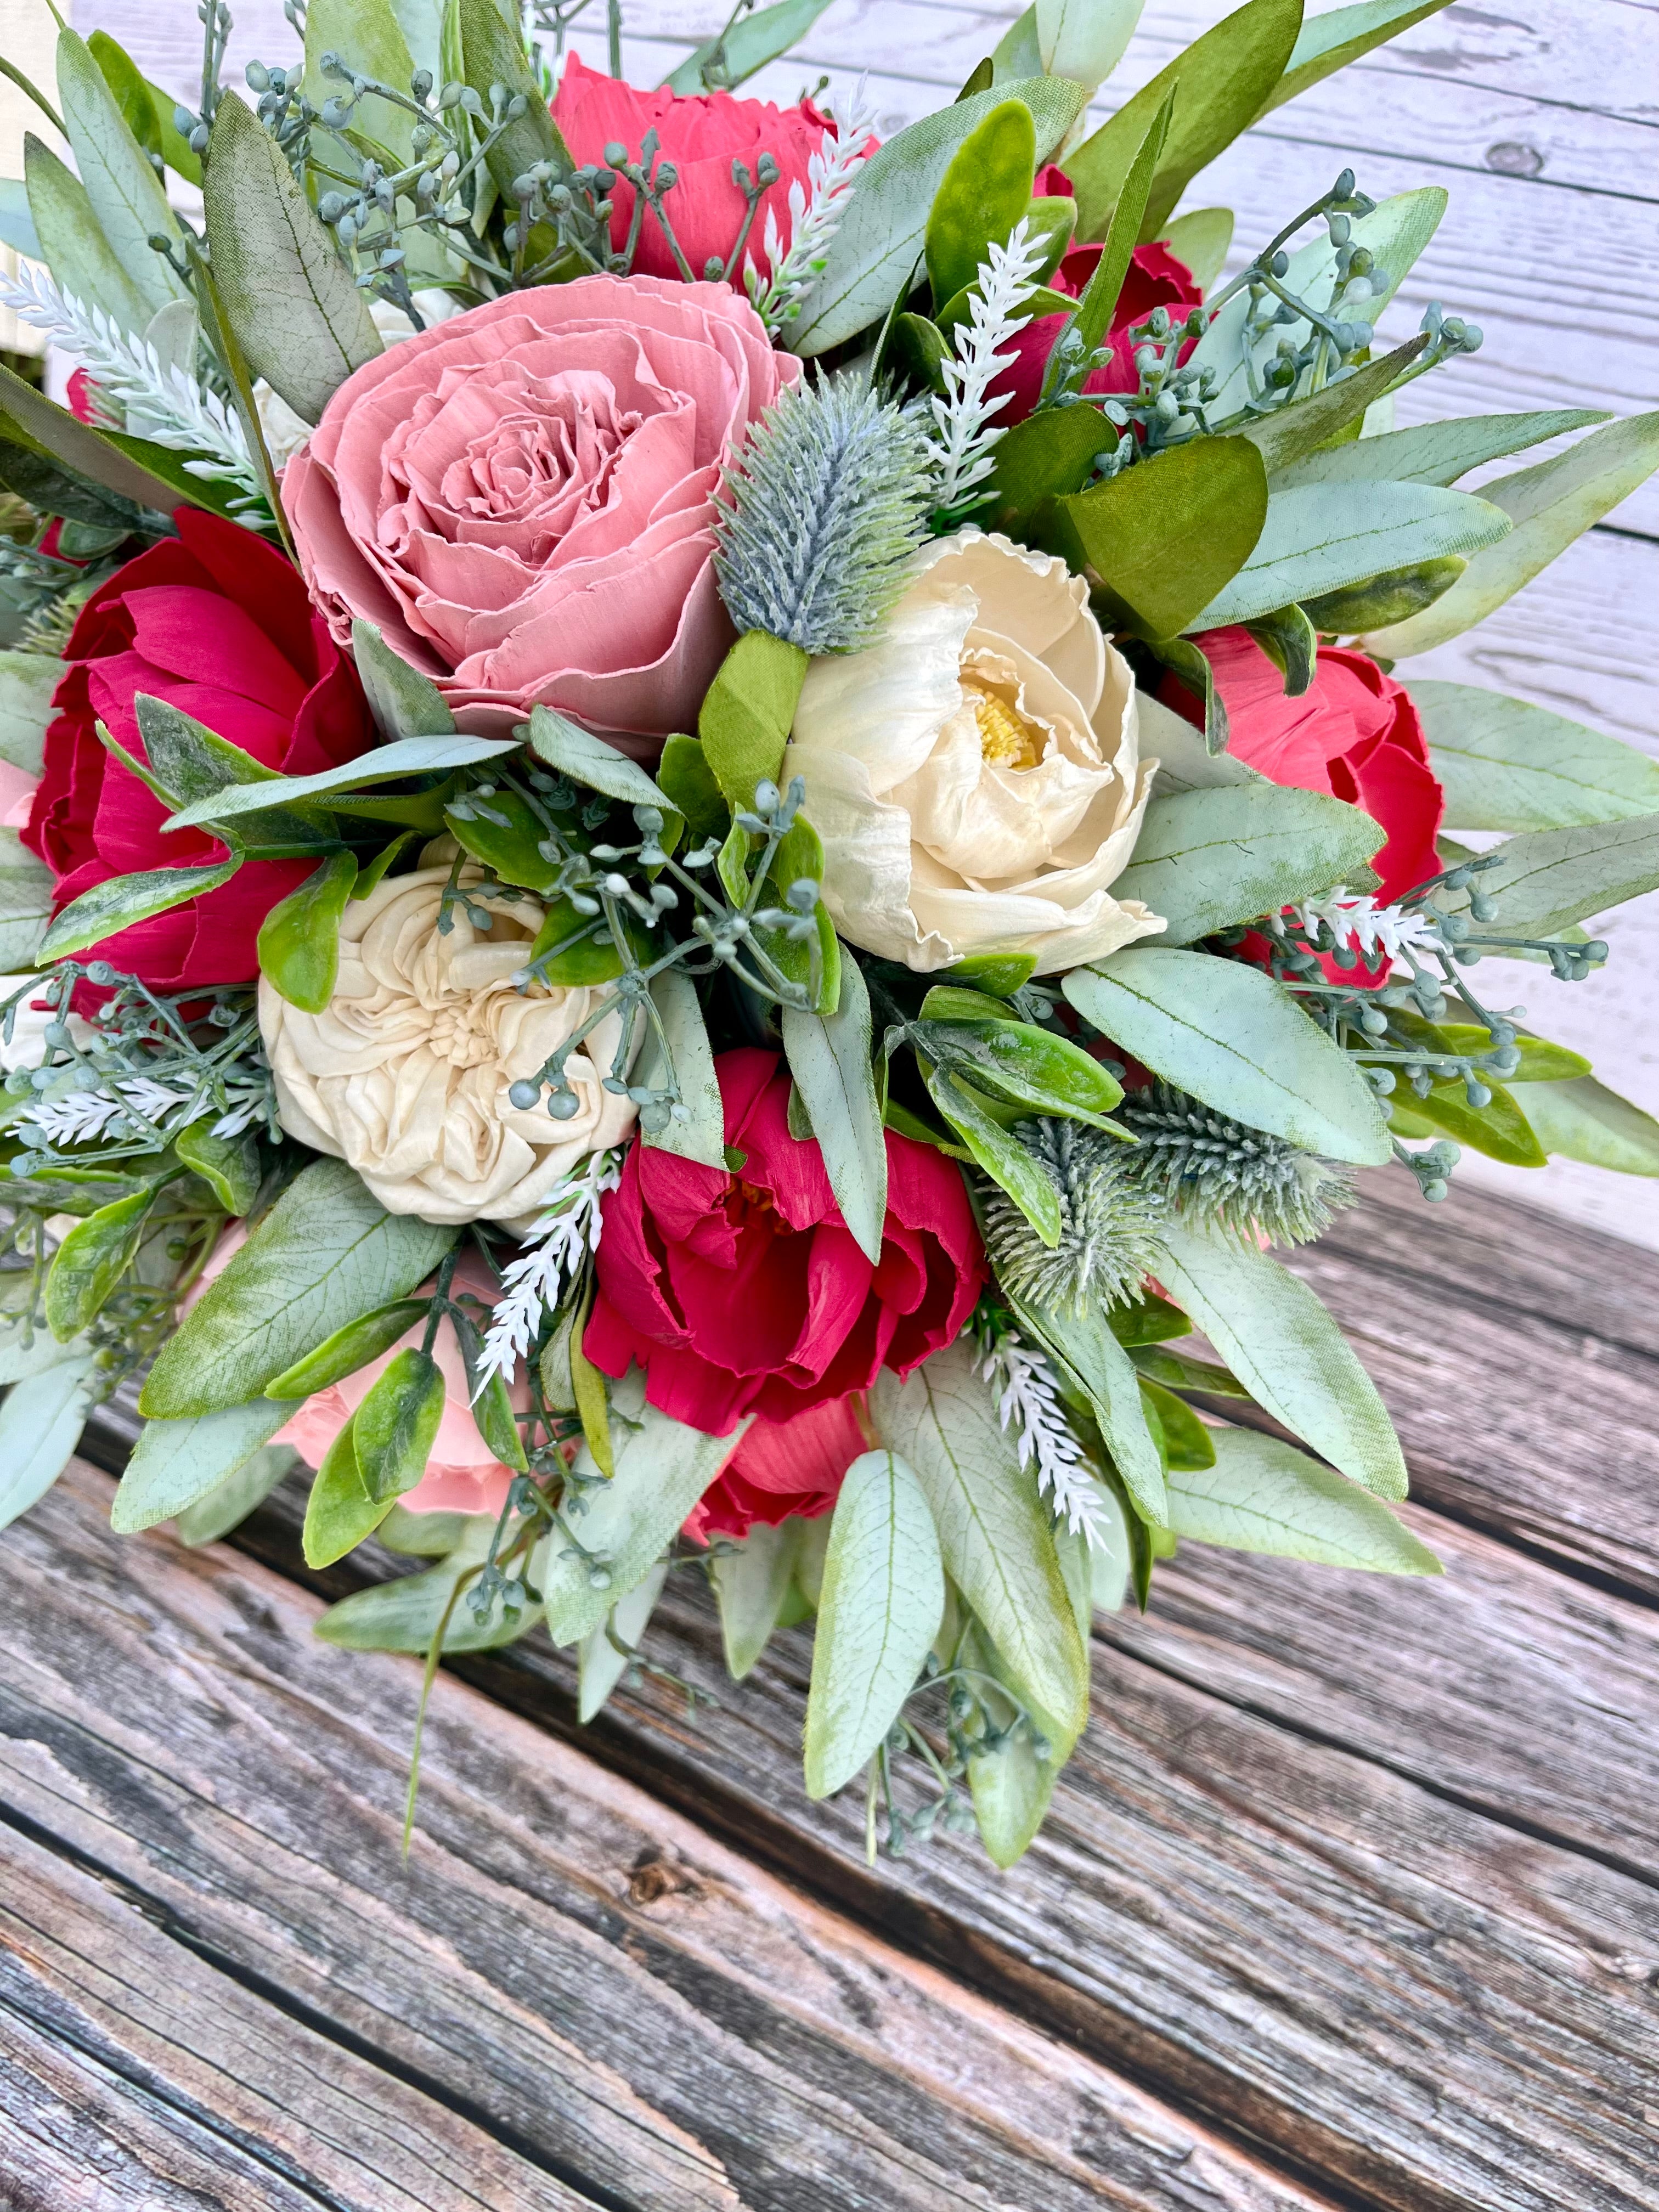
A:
(696, 871)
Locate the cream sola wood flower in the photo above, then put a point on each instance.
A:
(405, 1074)
(974, 774)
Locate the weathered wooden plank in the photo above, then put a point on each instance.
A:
(129, 2065)
(628, 1999)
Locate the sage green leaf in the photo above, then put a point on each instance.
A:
(588, 760)
(125, 192)
(1028, 1067)
(1289, 433)
(1547, 878)
(404, 1615)
(1091, 320)
(1200, 240)
(1000, 974)
(752, 1578)
(1287, 1352)
(1085, 39)
(1436, 452)
(104, 517)
(26, 891)
(1011, 1786)
(299, 940)
(229, 1165)
(1500, 1128)
(1185, 762)
(1393, 596)
(662, 1469)
(348, 1349)
(85, 450)
(828, 1057)
(1549, 506)
(175, 1464)
(1319, 536)
(701, 1134)
(1185, 1439)
(1329, 42)
(1540, 1061)
(689, 784)
(339, 1513)
(1209, 858)
(1148, 1320)
(602, 1655)
(395, 1427)
(17, 229)
(879, 242)
(878, 1611)
(19, 1359)
(1232, 1036)
(492, 50)
(1086, 1345)
(384, 764)
(1263, 1495)
(92, 1259)
(1585, 1120)
(993, 1530)
(28, 681)
(326, 1254)
(1225, 79)
(1508, 765)
(1001, 1155)
(229, 1503)
(1017, 54)
(1159, 542)
(1108, 1556)
(743, 721)
(982, 195)
(1292, 643)
(1175, 1371)
(403, 702)
(289, 300)
(41, 1419)
(84, 265)
(747, 44)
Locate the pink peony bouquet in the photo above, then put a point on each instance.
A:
(714, 828)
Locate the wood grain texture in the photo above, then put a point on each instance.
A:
(133, 2074)
(628, 1999)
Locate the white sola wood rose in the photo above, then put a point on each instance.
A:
(406, 1072)
(975, 774)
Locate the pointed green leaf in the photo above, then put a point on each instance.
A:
(828, 1057)
(1546, 879)
(701, 1135)
(878, 1611)
(1585, 1120)
(588, 760)
(752, 1579)
(1508, 765)
(125, 194)
(125, 901)
(404, 1615)
(1092, 319)
(384, 764)
(41, 1419)
(71, 240)
(1085, 39)
(1231, 1036)
(1261, 1495)
(747, 44)
(80, 448)
(1329, 42)
(1209, 858)
(1001, 1155)
(1435, 452)
(176, 1464)
(395, 1425)
(980, 197)
(26, 891)
(403, 702)
(602, 1655)
(348, 1349)
(28, 681)
(340, 1512)
(92, 1259)
(299, 941)
(743, 721)
(1200, 241)
(1289, 433)
(229, 1503)
(1100, 1367)
(230, 1165)
(1287, 1352)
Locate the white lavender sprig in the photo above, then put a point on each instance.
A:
(778, 297)
(531, 1284)
(1354, 918)
(137, 1107)
(962, 452)
(1023, 1385)
(158, 400)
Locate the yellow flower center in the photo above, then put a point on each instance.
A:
(1006, 739)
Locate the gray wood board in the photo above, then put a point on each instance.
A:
(631, 2002)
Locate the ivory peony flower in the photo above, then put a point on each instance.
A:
(974, 774)
(522, 498)
(406, 1072)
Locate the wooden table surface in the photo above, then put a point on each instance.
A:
(1348, 1898)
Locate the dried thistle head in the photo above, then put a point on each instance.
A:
(1109, 1223)
(1223, 1174)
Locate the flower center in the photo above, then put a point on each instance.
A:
(1006, 737)
(460, 1033)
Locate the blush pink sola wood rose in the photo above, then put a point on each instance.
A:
(746, 1292)
(522, 499)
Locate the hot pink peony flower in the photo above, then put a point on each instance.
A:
(701, 136)
(521, 498)
(741, 1293)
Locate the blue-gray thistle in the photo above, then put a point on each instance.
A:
(1108, 1223)
(1223, 1174)
(823, 509)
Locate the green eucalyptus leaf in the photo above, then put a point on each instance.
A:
(403, 702)
(588, 760)
(289, 300)
(1291, 642)
(701, 1135)
(124, 901)
(1287, 1352)
(1500, 1128)
(125, 192)
(1000, 974)
(1200, 241)
(1283, 437)
(71, 240)
(1229, 1035)
(747, 44)
(1091, 320)
(348, 1349)
(1329, 42)
(1046, 455)
(880, 239)
(384, 764)
(982, 195)
(828, 1057)
(229, 1501)
(17, 226)
(602, 1655)
(1206, 859)
(41, 1419)
(1549, 506)
(879, 1610)
(1149, 1320)
(1584, 1120)
(1087, 1349)
(1546, 879)
(1000, 1154)
(752, 1579)
(340, 1512)
(299, 941)
(102, 459)
(176, 1464)
(993, 1530)
(326, 1254)
(1321, 538)
(743, 721)
(1085, 39)
(26, 893)
(490, 1399)
(1028, 1067)
(1508, 765)
(1393, 596)
(1263, 1495)
(492, 49)
(1185, 1440)
(28, 681)
(395, 1425)
(404, 1615)
(1435, 452)
(49, 489)
(92, 1259)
